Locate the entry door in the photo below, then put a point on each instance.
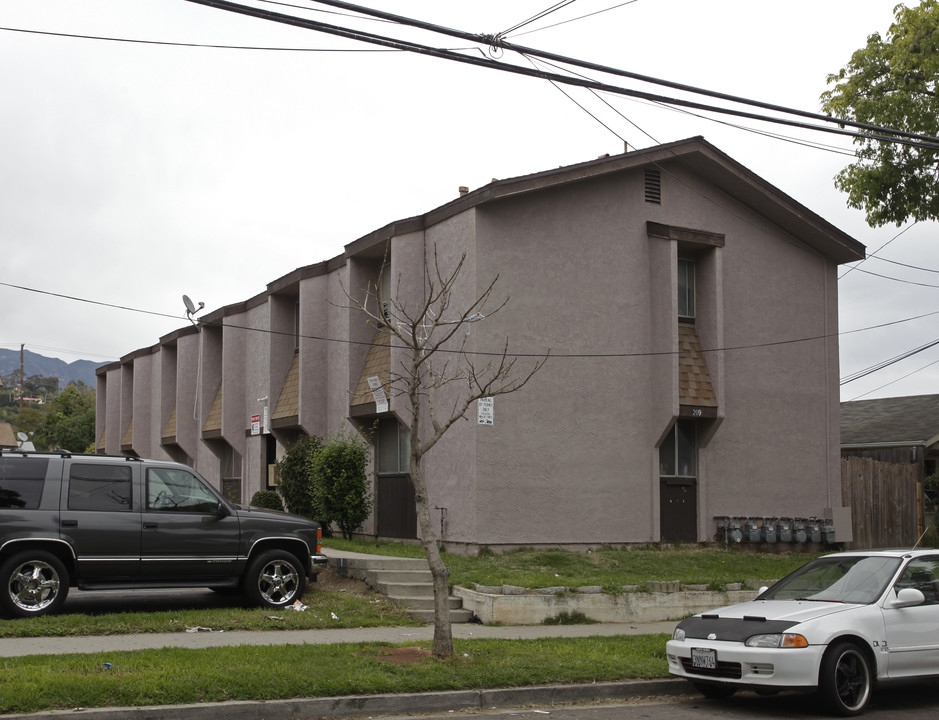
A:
(678, 500)
(397, 515)
(678, 484)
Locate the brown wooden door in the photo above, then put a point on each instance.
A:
(678, 510)
(397, 516)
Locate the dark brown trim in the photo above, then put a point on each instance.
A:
(363, 410)
(688, 235)
(289, 421)
(211, 434)
(697, 412)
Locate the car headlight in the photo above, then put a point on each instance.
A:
(678, 635)
(778, 640)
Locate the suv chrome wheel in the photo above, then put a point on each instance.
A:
(275, 579)
(35, 583)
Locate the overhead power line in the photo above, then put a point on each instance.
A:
(499, 41)
(872, 132)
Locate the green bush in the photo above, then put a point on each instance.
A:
(294, 486)
(267, 499)
(339, 485)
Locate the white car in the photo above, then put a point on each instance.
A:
(837, 625)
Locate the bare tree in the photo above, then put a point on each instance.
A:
(441, 380)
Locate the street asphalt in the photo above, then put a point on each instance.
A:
(348, 706)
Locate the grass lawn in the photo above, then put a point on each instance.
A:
(181, 676)
(350, 609)
(608, 568)
(176, 676)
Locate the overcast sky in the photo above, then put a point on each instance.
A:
(132, 173)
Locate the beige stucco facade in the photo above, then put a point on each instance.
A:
(588, 257)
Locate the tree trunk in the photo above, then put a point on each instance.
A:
(443, 633)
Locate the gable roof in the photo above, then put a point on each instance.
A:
(696, 154)
(912, 420)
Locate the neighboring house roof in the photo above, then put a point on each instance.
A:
(912, 420)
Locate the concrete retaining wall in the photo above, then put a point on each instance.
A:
(534, 609)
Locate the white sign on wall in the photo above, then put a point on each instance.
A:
(255, 424)
(378, 393)
(484, 411)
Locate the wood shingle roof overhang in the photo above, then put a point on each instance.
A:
(891, 422)
(695, 154)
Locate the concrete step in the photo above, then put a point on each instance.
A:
(405, 589)
(456, 616)
(401, 576)
(424, 603)
(407, 582)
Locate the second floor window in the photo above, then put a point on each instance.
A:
(685, 288)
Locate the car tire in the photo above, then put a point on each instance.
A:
(714, 691)
(34, 583)
(845, 682)
(275, 579)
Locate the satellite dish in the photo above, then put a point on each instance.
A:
(22, 436)
(190, 305)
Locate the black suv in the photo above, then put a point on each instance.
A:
(102, 522)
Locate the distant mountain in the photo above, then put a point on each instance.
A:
(36, 364)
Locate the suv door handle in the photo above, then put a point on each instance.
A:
(151, 525)
(70, 523)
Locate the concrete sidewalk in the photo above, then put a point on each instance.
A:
(98, 644)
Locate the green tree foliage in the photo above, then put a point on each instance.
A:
(70, 422)
(294, 477)
(340, 487)
(267, 499)
(893, 83)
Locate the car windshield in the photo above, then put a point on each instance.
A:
(849, 579)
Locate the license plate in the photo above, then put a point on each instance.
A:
(704, 658)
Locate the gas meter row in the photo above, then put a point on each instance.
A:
(778, 529)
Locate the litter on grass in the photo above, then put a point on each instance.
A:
(199, 628)
(298, 606)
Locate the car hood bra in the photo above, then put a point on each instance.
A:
(739, 622)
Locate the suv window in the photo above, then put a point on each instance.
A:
(172, 490)
(21, 481)
(99, 487)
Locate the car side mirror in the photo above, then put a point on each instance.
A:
(221, 511)
(908, 597)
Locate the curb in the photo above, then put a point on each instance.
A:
(349, 705)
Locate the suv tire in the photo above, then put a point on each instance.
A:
(275, 579)
(35, 583)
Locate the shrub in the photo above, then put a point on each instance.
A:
(340, 487)
(267, 499)
(295, 486)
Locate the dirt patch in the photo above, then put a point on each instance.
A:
(398, 655)
(329, 580)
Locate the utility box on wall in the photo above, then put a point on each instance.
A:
(841, 519)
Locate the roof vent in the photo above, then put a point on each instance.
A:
(653, 187)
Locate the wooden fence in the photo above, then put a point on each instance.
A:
(885, 501)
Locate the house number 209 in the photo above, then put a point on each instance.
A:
(695, 412)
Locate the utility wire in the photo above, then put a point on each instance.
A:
(899, 137)
(582, 355)
(496, 41)
(194, 45)
(575, 19)
(544, 13)
(902, 377)
(886, 363)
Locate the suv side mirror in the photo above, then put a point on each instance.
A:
(908, 597)
(222, 511)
